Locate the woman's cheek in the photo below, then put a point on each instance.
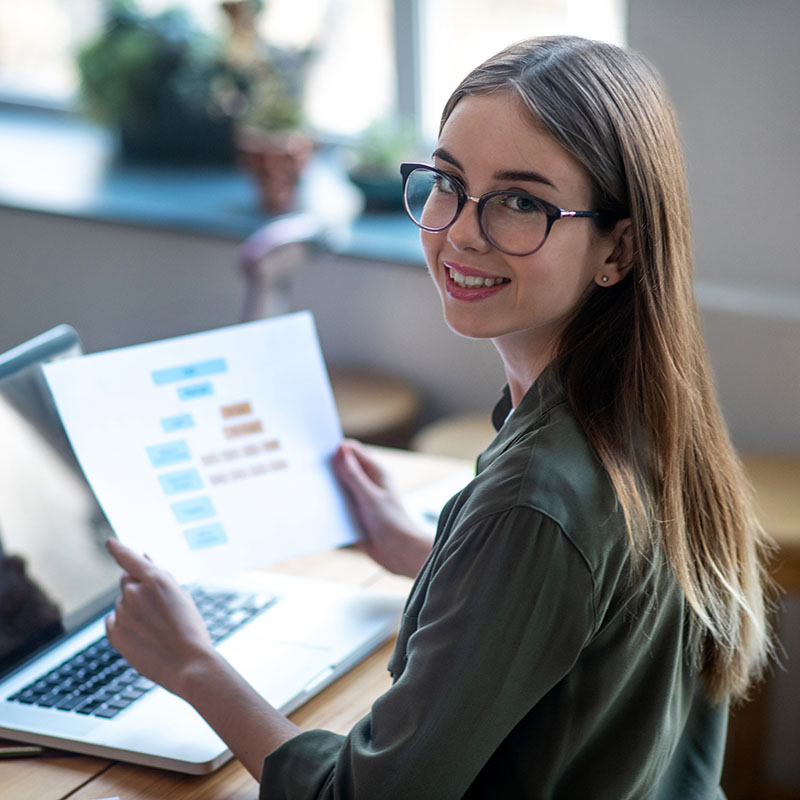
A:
(430, 249)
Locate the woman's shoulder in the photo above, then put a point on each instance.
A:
(542, 463)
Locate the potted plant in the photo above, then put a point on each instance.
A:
(271, 138)
(162, 83)
(376, 159)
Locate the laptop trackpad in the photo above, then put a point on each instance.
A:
(274, 668)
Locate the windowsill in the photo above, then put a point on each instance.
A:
(63, 165)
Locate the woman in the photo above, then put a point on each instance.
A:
(594, 597)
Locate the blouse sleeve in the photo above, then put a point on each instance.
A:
(507, 609)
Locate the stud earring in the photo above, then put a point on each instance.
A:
(604, 279)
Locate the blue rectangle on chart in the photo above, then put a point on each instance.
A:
(177, 423)
(205, 536)
(188, 371)
(193, 510)
(184, 480)
(196, 390)
(163, 455)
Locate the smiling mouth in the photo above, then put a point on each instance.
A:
(474, 281)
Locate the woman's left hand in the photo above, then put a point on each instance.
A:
(388, 534)
(156, 625)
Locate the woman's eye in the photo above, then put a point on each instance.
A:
(444, 185)
(523, 203)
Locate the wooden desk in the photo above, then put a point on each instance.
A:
(776, 480)
(58, 776)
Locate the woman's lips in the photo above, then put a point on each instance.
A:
(466, 283)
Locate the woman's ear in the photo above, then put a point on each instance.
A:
(621, 260)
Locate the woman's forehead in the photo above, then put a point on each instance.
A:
(496, 133)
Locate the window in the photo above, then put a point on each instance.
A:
(37, 40)
(374, 58)
(457, 35)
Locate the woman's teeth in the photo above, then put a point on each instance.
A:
(474, 282)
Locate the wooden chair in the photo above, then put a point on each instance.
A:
(458, 436)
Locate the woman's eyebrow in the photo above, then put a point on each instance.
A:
(503, 175)
(443, 155)
(524, 175)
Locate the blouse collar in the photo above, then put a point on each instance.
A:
(545, 393)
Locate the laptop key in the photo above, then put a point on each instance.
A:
(119, 702)
(132, 694)
(88, 707)
(106, 712)
(50, 700)
(70, 701)
(27, 696)
(128, 676)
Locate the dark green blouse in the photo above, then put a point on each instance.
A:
(530, 662)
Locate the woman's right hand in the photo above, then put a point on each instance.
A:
(388, 534)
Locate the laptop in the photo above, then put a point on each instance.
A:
(61, 684)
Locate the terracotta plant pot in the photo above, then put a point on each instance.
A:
(276, 160)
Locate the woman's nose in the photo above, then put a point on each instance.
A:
(465, 233)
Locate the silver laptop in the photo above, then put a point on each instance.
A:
(61, 684)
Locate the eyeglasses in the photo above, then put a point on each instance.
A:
(516, 223)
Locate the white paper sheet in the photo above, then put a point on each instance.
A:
(210, 452)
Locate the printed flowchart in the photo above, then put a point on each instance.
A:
(210, 452)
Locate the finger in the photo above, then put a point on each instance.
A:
(371, 468)
(127, 580)
(135, 565)
(342, 462)
(351, 472)
(111, 622)
(364, 466)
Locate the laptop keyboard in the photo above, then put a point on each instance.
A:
(98, 681)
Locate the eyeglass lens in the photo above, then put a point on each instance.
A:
(514, 222)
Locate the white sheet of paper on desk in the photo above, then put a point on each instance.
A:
(210, 452)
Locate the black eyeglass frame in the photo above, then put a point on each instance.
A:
(551, 211)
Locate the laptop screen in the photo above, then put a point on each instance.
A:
(55, 573)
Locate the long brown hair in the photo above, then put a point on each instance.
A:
(633, 359)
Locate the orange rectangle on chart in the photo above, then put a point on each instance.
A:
(236, 410)
(245, 429)
(272, 444)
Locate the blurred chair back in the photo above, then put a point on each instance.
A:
(373, 407)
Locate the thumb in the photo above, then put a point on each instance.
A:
(370, 468)
(350, 471)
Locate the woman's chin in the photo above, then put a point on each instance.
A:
(468, 328)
